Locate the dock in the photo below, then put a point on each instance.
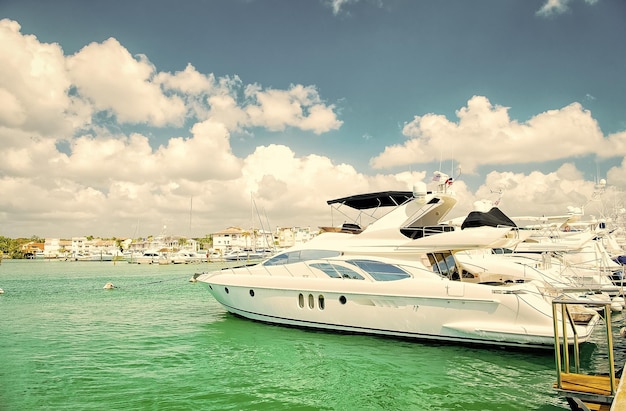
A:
(585, 392)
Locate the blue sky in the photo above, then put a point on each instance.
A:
(352, 95)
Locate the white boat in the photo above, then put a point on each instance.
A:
(187, 257)
(147, 257)
(246, 255)
(397, 277)
(96, 256)
(547, 261)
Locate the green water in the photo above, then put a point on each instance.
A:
(160, 342)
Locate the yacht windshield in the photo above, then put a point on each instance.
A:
(381, 271)
(444, 264)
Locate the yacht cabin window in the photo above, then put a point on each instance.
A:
(291, 257)
(444, 264)
(337, 271)
(381, 271)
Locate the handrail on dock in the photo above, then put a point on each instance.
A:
(597, 389)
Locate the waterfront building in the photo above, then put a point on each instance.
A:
(289, 236)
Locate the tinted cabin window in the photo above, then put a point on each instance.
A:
(381, 271)
(337, 271)
(291, 257)
(443, 263)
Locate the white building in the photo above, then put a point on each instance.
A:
(82, 246)
(236, 239)
(163, 243)
(57, 248)
(289, 236)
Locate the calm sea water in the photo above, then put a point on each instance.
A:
(160, 342)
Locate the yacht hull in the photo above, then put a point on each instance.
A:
(449, 311)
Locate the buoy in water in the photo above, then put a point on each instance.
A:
(1, 291)
(108, 286)
(622, 332)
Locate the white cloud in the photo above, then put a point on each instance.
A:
(299, 107)
(485, 135)
(60, 179)
(295, 189)
(537, 193)
(616, 176)
(205, 156)
(553, 7)
(107, 75)
(337, 5)
(108, 180)
(33, 83)
(188, 81)
(225, 109)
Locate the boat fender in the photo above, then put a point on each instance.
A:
(616, 307)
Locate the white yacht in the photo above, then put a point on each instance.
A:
(187, 257)
(396, 277)
(96, 256)
(146, 257)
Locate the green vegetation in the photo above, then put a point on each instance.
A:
(12, 248)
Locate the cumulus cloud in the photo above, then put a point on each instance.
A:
(485, 135)
(553, 7)
(340, 7)
(60, 122)
(544, 193)
(617, 174)
(286, 185)
(111, 79)
(78, 159)
(299, 107)
(33, 83)
(337, 6)
(46, 92)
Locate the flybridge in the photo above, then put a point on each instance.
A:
(393, 198)
(368, 204)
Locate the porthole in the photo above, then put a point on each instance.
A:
(301, 300)
(320, 302)
(251, 293)
(226, 289)
(311, 301)
(343, 299)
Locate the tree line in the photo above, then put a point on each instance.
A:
(12, 247)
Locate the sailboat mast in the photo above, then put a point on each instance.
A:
(190, 213)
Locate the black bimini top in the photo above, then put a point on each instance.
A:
(374, 200)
